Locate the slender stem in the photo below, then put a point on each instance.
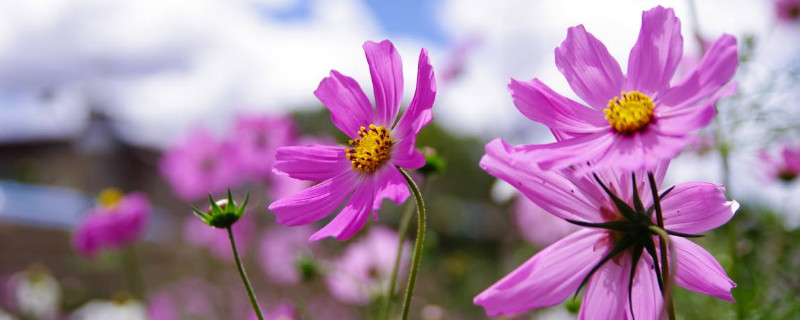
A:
(134, 272)
(412, 274)
(402, 231)
(665, 274)
(401, 239)
(242, 273)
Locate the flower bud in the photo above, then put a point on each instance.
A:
(222, 213)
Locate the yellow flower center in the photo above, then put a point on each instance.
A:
(629, 113)
(110, 197)
(371, 150)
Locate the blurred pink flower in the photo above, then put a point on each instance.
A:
(279, 250)
(786, 167)
(606, 257)
(187, 299)
(632, 121)
(256, 137)
(200, 164)
(788, 10)
(536, 225)
(117, 222)
(366, 172)
(364, 269)
(285, 311)
(458, 58)
(197, 233)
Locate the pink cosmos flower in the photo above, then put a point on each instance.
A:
(613, 255)
(279, 252)
(199, 165)
(256, 137)
(115, 223)
(632, 121)
(536, 225)
(199, 234)
(786, 167)
(365, 268)
(788, 10)
(366, 171)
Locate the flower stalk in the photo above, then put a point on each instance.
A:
(415, 262)
(663, 244)
(243, 274)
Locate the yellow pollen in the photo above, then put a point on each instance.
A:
(630, 113)
(109, 197)
(371, 150)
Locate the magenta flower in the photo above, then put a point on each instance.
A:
(199, 165)
(632, 121)
(199, 234)
(279, 252)
(256, 138)
(784, 168)
(365, 268)
(536, 225)
(366, 171)
(613, 257)
(788, 10)
(115, 223)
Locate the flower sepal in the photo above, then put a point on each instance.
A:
(222, 213)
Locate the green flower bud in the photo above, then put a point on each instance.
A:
(222, 213)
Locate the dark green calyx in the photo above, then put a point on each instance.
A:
(222, 213)
(634, 233)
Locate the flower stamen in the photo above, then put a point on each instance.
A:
(371, 150)
(630, 113)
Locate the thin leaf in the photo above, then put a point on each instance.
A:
(622, 245)
(623, 207)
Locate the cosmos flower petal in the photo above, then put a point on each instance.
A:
(696, 207)
(315, 202)
(550, 190)
(547, 279)
(405, 155)
(591, 71)
(606, 293)
(390, 185)
(386, 69)
(646, 295)
(418, 114)
(350, 109)
(352, 217)
(572, 151)
(311, 162)
(541, 104)
(682, 120)
(698, 271)
(655, 57)
(712, 73)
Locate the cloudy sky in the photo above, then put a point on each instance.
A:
(158, 67)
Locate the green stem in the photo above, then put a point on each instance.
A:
(402, 231)
(134, 273)
(665, 274)
(412, 274)
(242, 273)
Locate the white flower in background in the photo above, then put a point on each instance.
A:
(120, 309)
(36, 292)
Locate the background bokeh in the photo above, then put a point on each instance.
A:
(93, 93)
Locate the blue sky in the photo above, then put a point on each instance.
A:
(415, 18)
